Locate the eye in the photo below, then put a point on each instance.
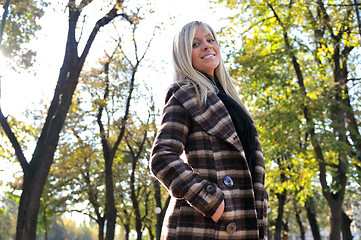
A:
(195, 44)
(211, 40)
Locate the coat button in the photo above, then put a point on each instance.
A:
(210, 188)
(231, 228)
(227, 180)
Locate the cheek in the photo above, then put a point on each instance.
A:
(219, 60)
(194, 59)
(194, 53)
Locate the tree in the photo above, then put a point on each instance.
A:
(20, 25)
(140, 187)
(96, 130)
(301, 51)
(109, 149)
(37, 169)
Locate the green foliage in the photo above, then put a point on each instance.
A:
(263, 44)
(66, 229)
(78, 173)
(21, 25)
(77, 183)
(8, 215)
(58, 228)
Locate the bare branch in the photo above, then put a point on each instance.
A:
(126, 17)
(147, 48)
(255, 24)
(112, 14)
(100, 113)
(125, 117)
(18, 151)
(325, 17)
(83, 4)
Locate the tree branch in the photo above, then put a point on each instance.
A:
(126, 114)
(317, 148)
(18, 151)
(325, 17)
(104, 141)
(83, 4)
(112, 14)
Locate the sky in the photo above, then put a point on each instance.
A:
(20, 90)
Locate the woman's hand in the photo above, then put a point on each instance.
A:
(217, 215)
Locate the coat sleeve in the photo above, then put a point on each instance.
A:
(172, 171)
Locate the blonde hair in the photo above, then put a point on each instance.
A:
(184, 71)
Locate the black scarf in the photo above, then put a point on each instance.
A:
(243, 124)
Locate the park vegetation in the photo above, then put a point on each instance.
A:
(296, 65)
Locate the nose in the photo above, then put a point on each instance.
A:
(207, 46)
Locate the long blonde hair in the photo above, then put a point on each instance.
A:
(184, 71)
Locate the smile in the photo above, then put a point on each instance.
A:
(208, 56)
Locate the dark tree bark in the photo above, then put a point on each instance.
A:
(334, 198)
(151, 235)
(285, 231)
(282, 198)
(37, 170)
(101, 224)
(340, 114)
(135, 202)
(346, 227)
(126, 223)
(93, 197)
(136, 154)
(311, 216)
(279, 221)
(300, 225)
(109, 153)
(160, 216)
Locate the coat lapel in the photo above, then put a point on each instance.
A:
(213, 116)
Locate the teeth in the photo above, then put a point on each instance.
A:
(208, 56)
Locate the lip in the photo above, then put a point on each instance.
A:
(208, 54)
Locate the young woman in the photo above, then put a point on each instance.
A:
(218, 190)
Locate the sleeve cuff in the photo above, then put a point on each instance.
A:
(207, 200)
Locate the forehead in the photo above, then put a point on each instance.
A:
(202, 31)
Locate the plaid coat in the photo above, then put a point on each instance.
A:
(215, 169)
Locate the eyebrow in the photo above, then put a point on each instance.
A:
(208, 35)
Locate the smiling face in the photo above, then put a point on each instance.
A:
(205, 51)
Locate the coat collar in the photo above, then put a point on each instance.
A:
(212, 117)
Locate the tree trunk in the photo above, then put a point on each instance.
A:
(300, 225)
(160, 218)
(100, 229)
(36, 175)
(335, 221)
(346, 227)
(151, 235)
(311, 216)
(108, 155)
(285, 231)
(338, 114)
(127, 231)
(36, 172)
(138, 219)
(279, 221)
(334, 200)
(111, 211)
(28, 210)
